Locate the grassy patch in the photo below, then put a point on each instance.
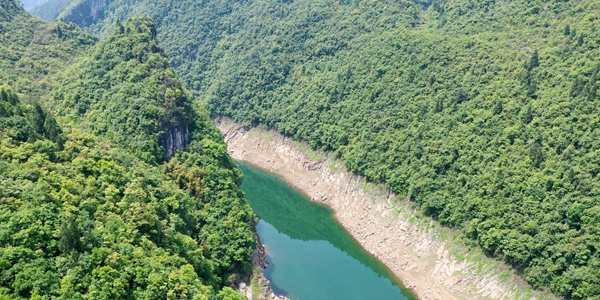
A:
(460, 256)
(257, 288)
(315, 155)
(334, 166)
(261, 132)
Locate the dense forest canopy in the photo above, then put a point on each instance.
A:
(125, 89)
(93, 205)
(484, 113)
(32, 50)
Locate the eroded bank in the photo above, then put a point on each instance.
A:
(415, 249)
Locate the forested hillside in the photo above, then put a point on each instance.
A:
(129, 193)
(484, 113)
(32, 50)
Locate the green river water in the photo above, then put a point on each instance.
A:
(311, 256)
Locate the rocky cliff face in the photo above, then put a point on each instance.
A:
(175, 137)
(85, 13)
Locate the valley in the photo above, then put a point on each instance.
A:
(456, 140)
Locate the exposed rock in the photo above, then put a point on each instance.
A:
(175, 137)
(257, 286)
(259, 257)
(313, 165)
(85, 13)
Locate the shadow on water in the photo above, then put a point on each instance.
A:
(294, 215)
(268, 273)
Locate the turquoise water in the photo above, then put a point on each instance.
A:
(311, 256)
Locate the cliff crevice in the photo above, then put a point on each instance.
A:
(175, 137)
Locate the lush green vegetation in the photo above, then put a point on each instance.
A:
(126, 90)
(96, 208)
(484, 113)
(31, 50)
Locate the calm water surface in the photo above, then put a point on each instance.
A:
(311, 256)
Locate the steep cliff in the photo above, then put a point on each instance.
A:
(84, 12)
(174, 138)
(148, 110)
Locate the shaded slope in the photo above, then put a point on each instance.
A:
(28, 4)
(83, 12)
(50, 9)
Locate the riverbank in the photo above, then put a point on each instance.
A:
(421, 253)
(257, 286)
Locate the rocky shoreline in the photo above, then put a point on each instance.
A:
(382, 224)
(257, 286)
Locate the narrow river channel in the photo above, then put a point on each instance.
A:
(311, 256)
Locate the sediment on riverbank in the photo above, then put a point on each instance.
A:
(421, 253)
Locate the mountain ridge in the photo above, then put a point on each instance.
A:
(93, 208)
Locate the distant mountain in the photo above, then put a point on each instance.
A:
(49, 10)
(484, 113)
(28, 4)
(84, 12)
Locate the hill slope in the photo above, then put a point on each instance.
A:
(32, 50)
(483, 113)
(98, 209)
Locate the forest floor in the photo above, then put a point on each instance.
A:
(425, 256)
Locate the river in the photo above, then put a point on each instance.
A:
(311, 256)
